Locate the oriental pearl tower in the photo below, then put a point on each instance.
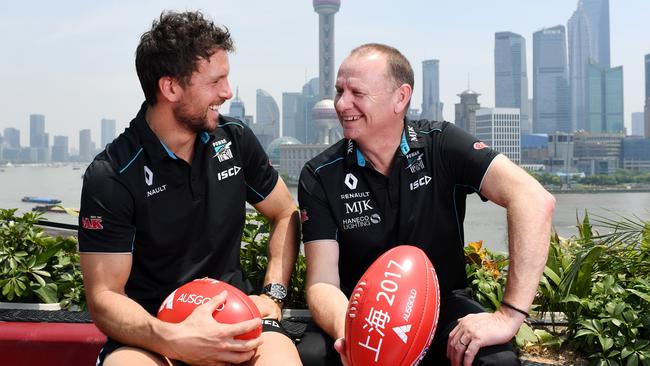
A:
(323, 114)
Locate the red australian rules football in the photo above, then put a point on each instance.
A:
(393, 310)
(237, 308)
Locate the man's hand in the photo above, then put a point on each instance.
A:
(339, 346)
(475, 331)
(268, 308)
(201, 340)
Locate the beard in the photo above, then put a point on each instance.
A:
(195, 119)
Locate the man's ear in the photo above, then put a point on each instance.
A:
(402, 97)
(169, 88)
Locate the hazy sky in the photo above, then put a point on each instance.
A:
(73, 61)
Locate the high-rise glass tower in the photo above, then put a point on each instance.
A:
(510, 76)
(551, 104)
(60, 148)
(431, 106)
(267, 118)
(290, 102)
(326, 10)
(588, 34)
(37, 136)
(12, 137)
(85, 145)
(605, 99)
(108, 131)
(237, 108)
(647, 97)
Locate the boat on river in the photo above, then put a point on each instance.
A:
(43, 200)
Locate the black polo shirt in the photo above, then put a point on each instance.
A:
(179, 221)
(422, 201)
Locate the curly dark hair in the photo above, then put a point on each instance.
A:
(173, 46)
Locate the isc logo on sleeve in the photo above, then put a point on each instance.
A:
(228, 173)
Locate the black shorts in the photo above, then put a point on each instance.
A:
(317, 349)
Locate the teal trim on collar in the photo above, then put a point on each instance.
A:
(404, 145)
(360, 159)
(205, 137)
(169, 152)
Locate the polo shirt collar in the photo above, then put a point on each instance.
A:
(410, 140)
(152, 144)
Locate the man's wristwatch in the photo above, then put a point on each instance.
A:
(276, 291)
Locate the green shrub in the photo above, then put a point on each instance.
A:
(35, 267)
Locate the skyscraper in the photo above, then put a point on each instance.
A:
(37, 136)
(85, 145)
(604, 99)
(551, 104)
(647, 97)
(12, 137)
(598, 16)
(267, 114)
(510, 76)
(466, 111)
(326, 10)
(60, 149)
(499, 129)
(431, 106)
(237, 108)
(637, 124)
(290, 102)
(108, 131)
(588, 30)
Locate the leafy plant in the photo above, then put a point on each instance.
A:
(485, 272)
(35, 267)
(253, 260)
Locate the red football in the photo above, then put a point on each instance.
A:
(393, 310)
(237, 308)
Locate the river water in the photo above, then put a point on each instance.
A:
(484, 220)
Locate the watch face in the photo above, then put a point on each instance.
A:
(277, 291)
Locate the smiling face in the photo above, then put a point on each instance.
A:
(207, 89)
(365, 96)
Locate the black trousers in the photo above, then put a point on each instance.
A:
(316, 348)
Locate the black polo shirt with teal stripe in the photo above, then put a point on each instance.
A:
(179, 221)
(421, 202)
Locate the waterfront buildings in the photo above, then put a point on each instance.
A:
(431, 105)
(466, 111)
(86, 146)
(551, 103)
(267, 118)
(510, 75)
(499, 129)
(598, 153)
(60, 149)
(108, 132)
(647, 97)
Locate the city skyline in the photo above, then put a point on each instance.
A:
(75, 65)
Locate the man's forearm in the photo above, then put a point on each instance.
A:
(283, 249)
(328, 306)
(124, 320)
(529, 230)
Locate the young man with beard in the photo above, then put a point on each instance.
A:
(164, 204)
(392, 181)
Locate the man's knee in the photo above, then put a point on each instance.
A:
(500, 355)
(124, 356)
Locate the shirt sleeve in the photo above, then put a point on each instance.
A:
(105, 215)
(259, 174)
(465, 157)
(316, 216)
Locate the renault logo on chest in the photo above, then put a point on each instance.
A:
(148, 176)
(351, 181)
